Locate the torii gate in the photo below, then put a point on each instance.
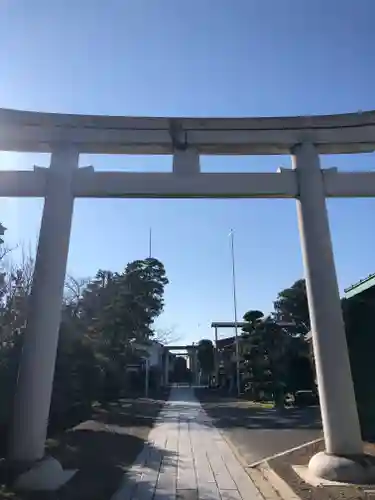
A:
(304, 138)
(232, 324)
(192, 354)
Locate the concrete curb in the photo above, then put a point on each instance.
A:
(283, 453)
(264, 486)
(282, 488)
(269, 484)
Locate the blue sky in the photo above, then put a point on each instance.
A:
(196, 58)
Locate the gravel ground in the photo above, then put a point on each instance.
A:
(283, 467)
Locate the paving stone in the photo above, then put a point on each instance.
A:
(187, 495)
(186, 458)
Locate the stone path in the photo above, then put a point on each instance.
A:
(186, 458)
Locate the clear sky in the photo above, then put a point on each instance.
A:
(195, 58)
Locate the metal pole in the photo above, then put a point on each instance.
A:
(235, 314)
(150, 243)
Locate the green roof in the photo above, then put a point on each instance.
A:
(360, 287)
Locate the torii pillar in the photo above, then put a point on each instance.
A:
(195, 364)
(166, 368)
(337, 399)
(37, 363)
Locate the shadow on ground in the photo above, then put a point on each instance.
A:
(257, 432)
(101, 448)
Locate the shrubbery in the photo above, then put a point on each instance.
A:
(101, 320)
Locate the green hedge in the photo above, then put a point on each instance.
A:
(359, 314)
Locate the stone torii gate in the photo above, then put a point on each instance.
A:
(193, 360)
(304, 138)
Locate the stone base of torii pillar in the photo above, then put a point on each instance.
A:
(46, 474)
(356, 469)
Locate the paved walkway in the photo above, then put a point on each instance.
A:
(186, 458)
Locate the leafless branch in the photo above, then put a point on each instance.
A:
(15, 289)
(166, 336)
(4, 251)
(74, 288)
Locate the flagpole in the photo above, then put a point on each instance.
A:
(235, 314)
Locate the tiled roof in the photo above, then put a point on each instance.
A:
(360, 286)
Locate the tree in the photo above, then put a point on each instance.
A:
(291, 306)
(116, 311)
(2, 231)
(118, 307)
(252, 354)
(206, 356)
(264, 347)
(252, 318)
(15, 286)
(101, 320)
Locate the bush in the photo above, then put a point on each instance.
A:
(77, 383)
(9, 358)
